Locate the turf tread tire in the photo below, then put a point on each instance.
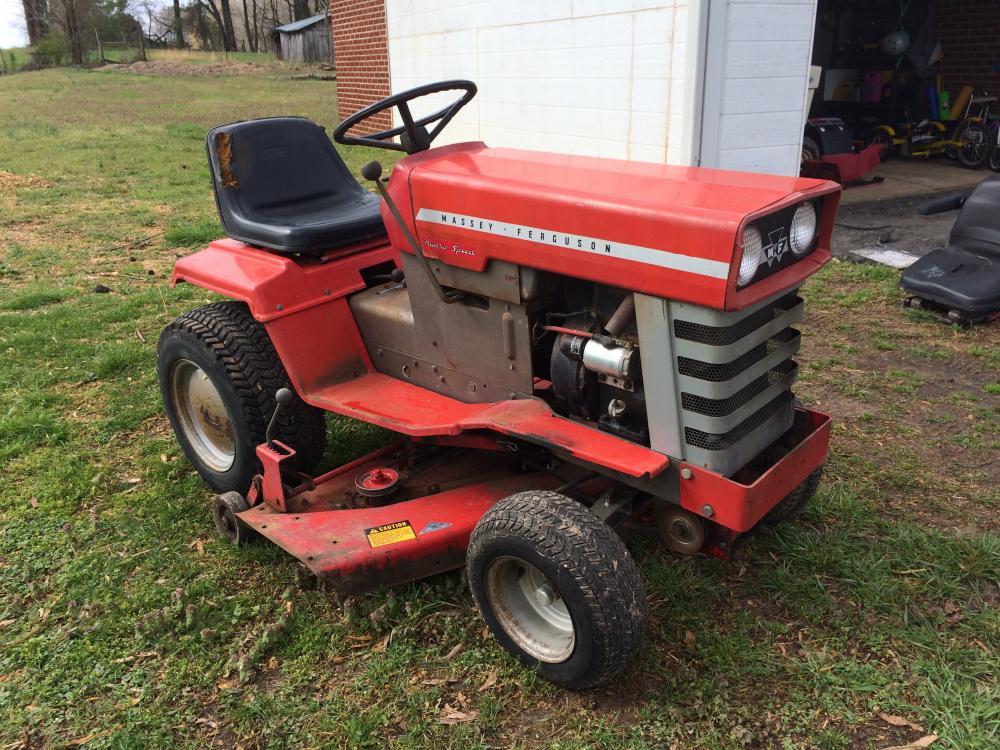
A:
(796, 500)
(589, 557)
(231, 336)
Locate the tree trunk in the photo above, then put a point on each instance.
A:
(71, 25)
(228, 32)
(301, 9)
(178, 26)
(36, 19)
(201, 28)
(213, 11)
(247, 28)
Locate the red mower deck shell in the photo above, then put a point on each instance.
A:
(668, 231)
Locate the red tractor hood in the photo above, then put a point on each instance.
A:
(667, 231)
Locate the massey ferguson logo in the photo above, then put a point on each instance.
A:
(777, 246)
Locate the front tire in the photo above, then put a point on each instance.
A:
(796, 500)
(557, 588)
(218, 374)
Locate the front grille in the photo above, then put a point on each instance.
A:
(735, 373)
(729, 370)
(711, 442)
(685, 329)
(725, 406)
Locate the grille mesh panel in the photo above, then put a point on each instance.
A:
(703, 334)
(711, 407)
(711, 442)
(729, 370)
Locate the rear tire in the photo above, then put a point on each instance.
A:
(995, 157)
(218, 374)
(557, 588)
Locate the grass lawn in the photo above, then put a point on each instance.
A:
(126, 623)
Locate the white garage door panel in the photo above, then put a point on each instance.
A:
(587, 76)
(771, 22)
(746, 95)
(760, 59)
(761, 130)
(602, 7)
(769, 159)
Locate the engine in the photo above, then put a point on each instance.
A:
(651, 302)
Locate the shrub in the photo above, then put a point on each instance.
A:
(50, 52)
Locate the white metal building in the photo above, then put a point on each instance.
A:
(712, 82)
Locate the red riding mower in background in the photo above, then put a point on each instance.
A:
(567, 347)
(829, 152)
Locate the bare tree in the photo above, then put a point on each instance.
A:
(223, 17)
(74, 19)
(36, 19)
(249, 28)
(178, 26)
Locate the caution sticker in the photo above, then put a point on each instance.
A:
(390, 533)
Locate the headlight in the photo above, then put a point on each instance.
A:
(803, 230)
(752, 248)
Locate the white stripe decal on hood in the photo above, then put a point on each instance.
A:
(715, 269)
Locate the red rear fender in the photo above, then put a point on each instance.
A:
(301, 302)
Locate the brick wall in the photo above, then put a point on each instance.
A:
(361, 54)
(968, 31)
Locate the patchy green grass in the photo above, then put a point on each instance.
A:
(125, 622)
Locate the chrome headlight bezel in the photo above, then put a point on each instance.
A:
(778, 240)
(753, 249)
(803, 229)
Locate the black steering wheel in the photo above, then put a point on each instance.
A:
(413, 134)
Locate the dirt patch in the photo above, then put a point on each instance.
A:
(11, 181)
(188, 70)
(915, 416)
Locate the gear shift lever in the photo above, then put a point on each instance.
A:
(284, 398)
(373, 171)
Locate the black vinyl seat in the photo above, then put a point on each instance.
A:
(966, 274)
(280, 184)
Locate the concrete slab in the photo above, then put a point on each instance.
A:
(905, 178)
(887, 256)
(885, 216)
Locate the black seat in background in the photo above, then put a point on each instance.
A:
(965, 275)
(280, 184)
(977, 228)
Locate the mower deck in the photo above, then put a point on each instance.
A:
(362, 545)
(422, 526)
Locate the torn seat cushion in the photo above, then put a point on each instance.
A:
(280, 184)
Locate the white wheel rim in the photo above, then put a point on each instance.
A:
(530, 609)
(202, 415)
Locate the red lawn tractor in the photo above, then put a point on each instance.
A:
(568, 348)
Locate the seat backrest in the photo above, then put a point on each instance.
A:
(977, 228)
(264, 169)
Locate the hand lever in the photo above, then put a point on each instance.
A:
(373, 171)
(284, 398)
